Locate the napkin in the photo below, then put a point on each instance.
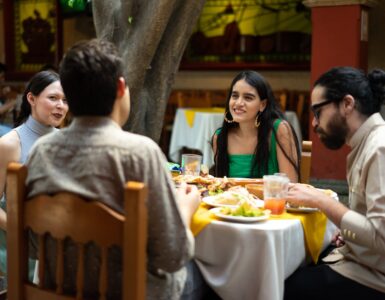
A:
(201, 219)
(314, 227)
(190, 113)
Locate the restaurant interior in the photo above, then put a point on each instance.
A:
(207, 75)
(286, 57)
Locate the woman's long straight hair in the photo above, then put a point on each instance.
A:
(271, 113)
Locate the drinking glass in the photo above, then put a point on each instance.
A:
(191, 164)
(275, 188)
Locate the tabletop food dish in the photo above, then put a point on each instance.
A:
(214, 202)
(244, 181)
(304, 209)
(232, 197)
(330, 193)
(256, 189)
(213, 185)
(218, 212)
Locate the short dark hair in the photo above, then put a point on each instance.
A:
(89, 74)
(36, 85)
(368, 91)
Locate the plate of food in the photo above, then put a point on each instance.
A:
(240, 214)
(300, 209)
(232, 198)
(330, 193)
(304, 209)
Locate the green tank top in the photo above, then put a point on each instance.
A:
(240, 164)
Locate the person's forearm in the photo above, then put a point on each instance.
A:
(334, 210)
(186, 214)
(3, 219)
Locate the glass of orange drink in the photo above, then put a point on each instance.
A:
(275, 189)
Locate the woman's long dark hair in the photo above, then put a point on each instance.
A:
(36, 85)
(267, 118)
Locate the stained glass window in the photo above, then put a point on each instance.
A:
(258, 31)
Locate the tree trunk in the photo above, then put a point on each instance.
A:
(151, 36)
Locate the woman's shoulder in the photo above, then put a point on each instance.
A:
(283, 130)
(10, 146)
(282, 126)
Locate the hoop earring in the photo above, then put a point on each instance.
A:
(257, 121)
(226, 119)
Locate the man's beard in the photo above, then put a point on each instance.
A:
(335, 135)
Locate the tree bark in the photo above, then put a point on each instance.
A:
(151, 36)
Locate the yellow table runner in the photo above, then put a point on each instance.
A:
(190, 113)
(314, 227)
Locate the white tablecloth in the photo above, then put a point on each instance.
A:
(251, 261)
(199, 135)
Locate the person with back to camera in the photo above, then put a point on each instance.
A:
(255, 138)
(94, 158)
(43, 108)
(346, 103)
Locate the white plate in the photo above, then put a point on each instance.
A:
(217, 212)
(301, 209)
(210, 200)
(333, 194)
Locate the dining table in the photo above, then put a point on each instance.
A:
(250, 261)
(194, 128)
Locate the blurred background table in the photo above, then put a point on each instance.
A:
(194, 128)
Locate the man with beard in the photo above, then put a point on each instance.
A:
(346, 104)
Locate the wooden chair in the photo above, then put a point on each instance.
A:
(67, 215)
(300, 105)
(306, 161)
(3, 295)
(218, 97)
(281, 98)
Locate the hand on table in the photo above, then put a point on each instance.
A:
(188, 199)
(303, 195)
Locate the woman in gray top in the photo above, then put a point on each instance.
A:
(44, 107)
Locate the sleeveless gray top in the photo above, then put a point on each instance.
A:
(28, 133)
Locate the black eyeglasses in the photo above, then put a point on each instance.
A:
(316, 108)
